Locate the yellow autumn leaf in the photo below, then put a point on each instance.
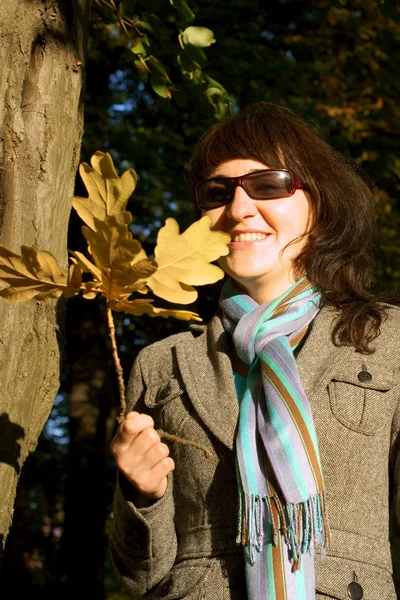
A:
(32, 274)
(85, 264)
(184, 260)
(121, 263)
(108, 193)
(74, 281)
(145, 307)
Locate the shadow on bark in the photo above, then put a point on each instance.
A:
(10, 449)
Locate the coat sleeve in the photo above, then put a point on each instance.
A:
(143, 542)
(395, 509)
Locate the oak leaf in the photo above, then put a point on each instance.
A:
(184, 260)
(108, 193)
(33, 274)
(145, 307)
(120, 263)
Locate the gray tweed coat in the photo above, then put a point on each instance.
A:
(183, 546)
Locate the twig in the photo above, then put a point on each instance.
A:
(118, 367)
(121, 386)
(175, 438)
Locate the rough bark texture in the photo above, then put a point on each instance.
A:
(42, 48)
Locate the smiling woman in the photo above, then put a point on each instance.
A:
(294, 385)
(267, 232)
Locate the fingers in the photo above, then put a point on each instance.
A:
(129, 429)
(153, 481)
(141, 455)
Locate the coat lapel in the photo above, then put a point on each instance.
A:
(206, 370)
(317, 359)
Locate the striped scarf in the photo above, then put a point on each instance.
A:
(281, 491)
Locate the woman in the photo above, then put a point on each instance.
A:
(306, 356)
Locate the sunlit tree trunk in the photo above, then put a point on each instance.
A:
(42, 59)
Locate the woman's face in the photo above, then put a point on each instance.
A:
(260, 230)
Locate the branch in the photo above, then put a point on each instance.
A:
(117, 362)
(175, 438)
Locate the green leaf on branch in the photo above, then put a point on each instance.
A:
(157, 68)
(201, 37)
(144, 25)
(138, 48)
(142, 70)
(185, 13)
(160, 87)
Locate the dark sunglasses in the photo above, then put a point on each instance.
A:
(266, 184)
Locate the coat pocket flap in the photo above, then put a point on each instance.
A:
(164, 393)
(367, 375)
(334, 575)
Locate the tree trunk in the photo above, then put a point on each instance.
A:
(42, 58)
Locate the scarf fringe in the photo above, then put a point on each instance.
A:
(303, 525)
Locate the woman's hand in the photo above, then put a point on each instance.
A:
(142, 458)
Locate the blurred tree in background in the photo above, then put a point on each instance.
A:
(332, 61)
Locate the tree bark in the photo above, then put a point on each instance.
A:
(42, 59)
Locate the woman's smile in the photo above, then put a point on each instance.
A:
(245, 239)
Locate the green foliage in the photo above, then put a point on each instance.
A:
(164, 42)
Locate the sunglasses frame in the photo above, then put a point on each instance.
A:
(297, 184)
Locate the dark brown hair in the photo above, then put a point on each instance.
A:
(338, 255)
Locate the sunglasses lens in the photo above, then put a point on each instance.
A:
(269, 184)
(214, 193)
(262, 185)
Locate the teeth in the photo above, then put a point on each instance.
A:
(249, 237)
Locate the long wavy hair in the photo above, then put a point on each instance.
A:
(338, 254)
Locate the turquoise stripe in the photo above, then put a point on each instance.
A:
(245, 306)
(269, 572)
(291, 456)
(240, 385)
(301, 588)
(245, 442)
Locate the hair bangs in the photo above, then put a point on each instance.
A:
(231, 140)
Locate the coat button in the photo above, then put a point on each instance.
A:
(364, 376)
(355, 591)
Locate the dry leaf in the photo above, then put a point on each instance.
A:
(108, 193)
(33, 274)
(120, 261)
(184, 260)
(74, 280)
(145, 307)
(86, 265)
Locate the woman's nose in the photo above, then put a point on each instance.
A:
(241, 206)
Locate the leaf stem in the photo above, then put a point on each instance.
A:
(175, 438)
(117, 362)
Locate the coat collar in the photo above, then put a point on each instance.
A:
(206, 370)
